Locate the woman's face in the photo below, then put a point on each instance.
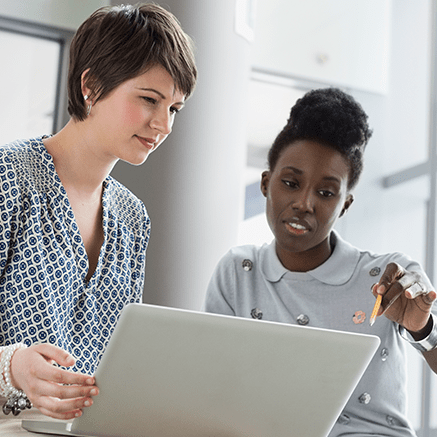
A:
(136, 117)
(306, 193)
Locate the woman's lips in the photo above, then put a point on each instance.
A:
(148, 142)
(296, 228)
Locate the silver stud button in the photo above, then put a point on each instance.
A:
(344, 419)
(375, 271)
(256, 313)
(392, 421)
(303, 319)
(365, 398)
(247, 265)
(384, 354)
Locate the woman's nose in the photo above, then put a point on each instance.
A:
(303, 202)
(163, 122)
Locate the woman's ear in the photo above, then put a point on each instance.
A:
(84, 80)
(348, 202)
(265, 179)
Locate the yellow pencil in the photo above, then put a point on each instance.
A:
(375, 309)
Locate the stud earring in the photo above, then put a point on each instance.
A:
(85, 97)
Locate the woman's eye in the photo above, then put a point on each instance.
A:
(290, 184)
(326, 193)
(149, 100)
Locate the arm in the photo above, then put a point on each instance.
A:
(429, 333)
(408, 301)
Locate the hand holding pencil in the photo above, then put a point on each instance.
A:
(403, 297)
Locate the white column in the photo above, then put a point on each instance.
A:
(193, 185)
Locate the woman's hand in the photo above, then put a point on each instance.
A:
(406, 299)
(56, 392)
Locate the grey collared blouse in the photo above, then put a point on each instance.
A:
(250, 281)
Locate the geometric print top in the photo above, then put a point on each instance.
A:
(44, 297)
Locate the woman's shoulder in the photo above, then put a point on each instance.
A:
(385, 257)
(245, 256)
(348, 250)
(375, 261)
(247, 250)
(124, 202)
(15, 150)
(121, 192)
(23, 162)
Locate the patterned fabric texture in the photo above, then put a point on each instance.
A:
(43, 264)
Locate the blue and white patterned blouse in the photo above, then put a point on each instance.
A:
(43, 264)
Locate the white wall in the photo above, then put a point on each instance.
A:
(340, 42)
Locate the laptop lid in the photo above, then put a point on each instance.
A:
(169, 373)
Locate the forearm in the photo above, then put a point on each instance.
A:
(426, 342)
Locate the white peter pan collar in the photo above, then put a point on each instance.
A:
(336, 270)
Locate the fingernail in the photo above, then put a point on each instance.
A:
(380, 289)
(78, 414)
(87, 403)
(90, 381)
(93, 392)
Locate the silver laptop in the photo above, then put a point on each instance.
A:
(176, 373)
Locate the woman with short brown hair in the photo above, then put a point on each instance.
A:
(72, 239)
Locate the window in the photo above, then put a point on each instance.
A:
(34, 57)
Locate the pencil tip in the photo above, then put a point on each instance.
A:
(372, 321)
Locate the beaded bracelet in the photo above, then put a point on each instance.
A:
(17, 400)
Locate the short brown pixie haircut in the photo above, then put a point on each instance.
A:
(121, 42)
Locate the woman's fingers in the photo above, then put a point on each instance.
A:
(61, 391)
(396, 281)
(392, 272)
(62, 401)
(55, 353)
(58, 409)
(57, 375)
(35, 362)
(56, 392)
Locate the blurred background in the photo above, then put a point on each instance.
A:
(255, 58)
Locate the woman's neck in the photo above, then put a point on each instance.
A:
(77, 161)
(307, 260)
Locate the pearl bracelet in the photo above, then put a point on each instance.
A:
(17, 400)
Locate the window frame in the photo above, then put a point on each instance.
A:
(63, 37)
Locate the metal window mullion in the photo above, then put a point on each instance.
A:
(432, 213)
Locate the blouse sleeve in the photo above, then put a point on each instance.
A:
(9, 197)
(221, 288)
(140, 257)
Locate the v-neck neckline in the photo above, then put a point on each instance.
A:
(77, 242)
